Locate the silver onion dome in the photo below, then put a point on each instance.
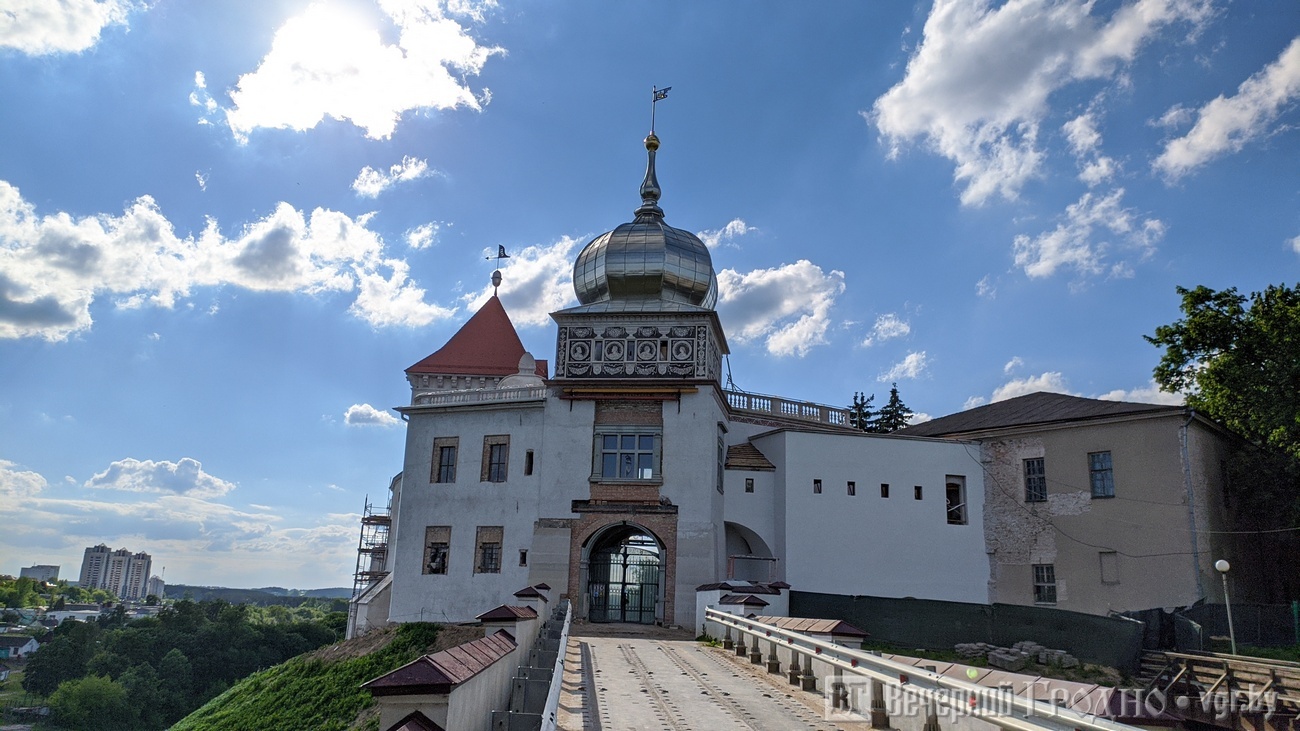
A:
(646, 265)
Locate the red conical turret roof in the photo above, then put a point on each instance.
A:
(486, 345)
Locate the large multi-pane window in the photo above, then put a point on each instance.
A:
(437, 542)
(1035, 481)
(627, 456)
(1101, 474)
(1044, 583)
(496, 458)
(488, 549)
(444, 459)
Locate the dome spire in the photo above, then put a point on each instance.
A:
(650, 185)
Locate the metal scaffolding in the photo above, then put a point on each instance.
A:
(372, 547)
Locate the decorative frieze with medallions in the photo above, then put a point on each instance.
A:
(649, 351)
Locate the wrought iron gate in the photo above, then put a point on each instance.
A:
(623, 584)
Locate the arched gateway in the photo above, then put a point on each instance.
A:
(624, 576)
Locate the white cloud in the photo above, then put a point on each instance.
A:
(424, 235)
(977, 88)
(887, 327)
(1015, 362)
(19, 484)
(1148, 394)
(53, 267)
(43, 27)
(919, 417)
(185, 477)
(202, 179)
(367, 415)
(327, 62)
(1227, 124)
(1081, 132)
(734, 229)
(972, 402)
(535, 281)
(1295, 244)
(1071, 243)
(787, 306)
(370, 182)
(985, 288)
(1050, 381)
(912, 366)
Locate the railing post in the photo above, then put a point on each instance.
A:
(740, 643)
(838, 692)
(755, 652)
(727, 644)
(808, 681)
(794, 673)
(879, 716)
(773, 662)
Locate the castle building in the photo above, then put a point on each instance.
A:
(628, 476)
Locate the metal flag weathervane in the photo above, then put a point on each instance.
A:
(496, 275)
(657, 95)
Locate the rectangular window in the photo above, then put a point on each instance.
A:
(1044, 583)
(817, 487)
(884, 489)
(488, 549)
(1035, 481)
(955, 499)
(917, 492)
(444, 459)
(528, 462)
(853, 487)
(437, 540)
(523, 557)
(722, 460)
(496, 458)
(1109, 566)
(749, 484)
(1101, 474)
(627, 456)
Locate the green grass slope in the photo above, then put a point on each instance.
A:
(319, 691)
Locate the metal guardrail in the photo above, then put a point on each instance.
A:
(1004, 710)
(550, 713)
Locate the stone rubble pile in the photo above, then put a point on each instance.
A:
(1018, 656)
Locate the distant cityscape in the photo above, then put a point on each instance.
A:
(127, 575)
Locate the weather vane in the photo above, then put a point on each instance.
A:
(496, 275)
(657, 95)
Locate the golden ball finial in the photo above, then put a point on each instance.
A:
(651, 142)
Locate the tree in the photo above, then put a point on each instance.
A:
(893, 415)
(63, 658)
(93, 703)
(1238, 361)
(860, 411)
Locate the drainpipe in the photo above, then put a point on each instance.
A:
(1191, 502)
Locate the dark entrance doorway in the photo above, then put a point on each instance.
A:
(623, 577)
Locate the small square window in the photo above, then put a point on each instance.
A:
(496, 458)
(853, 487)
(1035, 481)
(489, 558)
(1044, 583)
(437, 539)
(523, 557)
(749, 484)
(917, 492)
(1101, 474)
(884, 489)
(817, 487)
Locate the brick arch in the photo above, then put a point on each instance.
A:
(662, 526)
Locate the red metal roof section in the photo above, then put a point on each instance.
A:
(441, 671)
(747, 457)
(531, 592)
(748, 600)
(486, 345)
(814, 626)
(507, 612)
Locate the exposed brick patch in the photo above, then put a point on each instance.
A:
(630, 412)
(663, 526)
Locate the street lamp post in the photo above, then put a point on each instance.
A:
(1222, 567)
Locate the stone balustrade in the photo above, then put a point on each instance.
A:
(777, 407)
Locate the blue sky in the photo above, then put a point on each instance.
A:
(227, 228)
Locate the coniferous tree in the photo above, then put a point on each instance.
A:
(860, 411)
(893, 415)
